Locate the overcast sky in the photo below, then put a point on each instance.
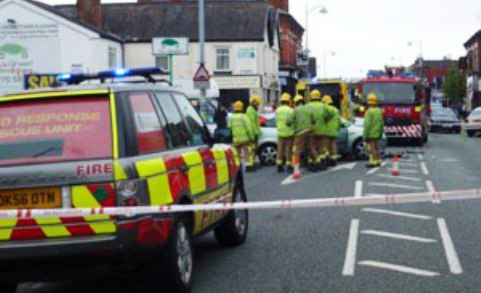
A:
(358, 35)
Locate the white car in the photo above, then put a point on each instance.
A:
(473, 123)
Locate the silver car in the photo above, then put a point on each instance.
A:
(350, 142)
(473, 123)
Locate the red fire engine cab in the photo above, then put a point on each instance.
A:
(405, 103)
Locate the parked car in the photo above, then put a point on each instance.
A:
(444, 119)
(111, 145)
(473, 122)
(349, 143)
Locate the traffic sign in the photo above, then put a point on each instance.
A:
(202, 78)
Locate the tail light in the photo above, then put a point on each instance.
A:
(128, 192)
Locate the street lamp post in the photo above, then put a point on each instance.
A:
(309, 10)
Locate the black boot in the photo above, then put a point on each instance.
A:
(323, 165)
(280, 169)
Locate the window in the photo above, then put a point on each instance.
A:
(162, 62)
(199, 134)
(148, 128)
(175, 123)
(223, 59)
(54, 130)
(112, 57)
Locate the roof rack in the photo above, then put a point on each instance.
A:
(102, 76)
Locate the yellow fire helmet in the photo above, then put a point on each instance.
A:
(238, 106)
(315, 95)
(286, 97)
(327, 100)
(256, 100)
(298, 99)
(372, 99)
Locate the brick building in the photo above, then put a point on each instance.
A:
(473, 62)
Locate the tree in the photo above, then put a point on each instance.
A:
(454, 88)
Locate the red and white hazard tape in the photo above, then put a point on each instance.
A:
(405, 131)
(280, 204)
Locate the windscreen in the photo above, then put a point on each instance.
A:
(54, 130)
(443, 114)
(390, 93)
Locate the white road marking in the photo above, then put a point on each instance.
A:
(372, 171)
(396, 213)
(430, 187)
(398, 268)
(290, 180)
(408, 164)
(400, 186)
(411, 171)
(451, 255)
(420, 157)
(358, 189)
(449, 161)
(399, 236)
(400, 177)
(424, 168)
(350, 260)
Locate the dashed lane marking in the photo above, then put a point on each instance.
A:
(358, 189)
(392, 185)
(348, 166)
(430, 187)
(424, 168)
(399, 177)
(350, 260)
(410, 171)
(408, 164)
(398, 236)
(396, 213)
(372, 171)
(398, 268)
(451, 255)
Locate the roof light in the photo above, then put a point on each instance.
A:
(121, 72)
(64, 77)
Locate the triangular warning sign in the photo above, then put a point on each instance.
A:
(202, 74)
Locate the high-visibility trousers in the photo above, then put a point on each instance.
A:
(252, 152)
(325, 145)
(317, 149)
(300, 144)
(244, 151)
(284, 151)
(374, 151)
(333, 153)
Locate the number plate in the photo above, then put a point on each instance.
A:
(35, 198)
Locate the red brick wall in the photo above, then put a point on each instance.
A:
(291, 42)
(90, 11)
(281, 4)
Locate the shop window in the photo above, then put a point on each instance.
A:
(148, 127)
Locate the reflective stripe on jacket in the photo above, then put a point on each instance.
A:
(241, 128)
(373, 124)
(254, 119)
(284, 121)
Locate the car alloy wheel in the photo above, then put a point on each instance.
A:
(184, 252)
(268, 154)
(240, 216)
(360, 151)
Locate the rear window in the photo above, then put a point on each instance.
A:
(54, 130)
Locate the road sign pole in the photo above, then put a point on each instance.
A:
(202, 39)
(171, 69)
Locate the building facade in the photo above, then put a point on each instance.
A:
(473, 69)
(35, 38)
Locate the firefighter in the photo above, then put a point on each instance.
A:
(303, 121)
(332, 130)
(242, 134)
(373, 130)
(356, 105)
(285, 133)
(318, 132)
(253, 116)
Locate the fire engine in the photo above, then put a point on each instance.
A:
(404, 100)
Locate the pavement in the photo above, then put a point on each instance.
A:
(425, 247)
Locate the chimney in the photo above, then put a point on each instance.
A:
(90, 11)
(280, 4)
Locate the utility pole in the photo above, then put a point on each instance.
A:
(202, 40)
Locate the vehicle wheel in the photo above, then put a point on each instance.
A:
(233, 231)
(359, 149)
(268, 154)
(8, 287)
(177, 262)
(470, 133)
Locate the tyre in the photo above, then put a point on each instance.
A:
(8, 287)
(267, 154)
(359, 149)
(176, 265)
(470, 133)
(233, 231)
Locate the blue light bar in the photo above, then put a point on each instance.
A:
(121, 71)
(64, 77)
